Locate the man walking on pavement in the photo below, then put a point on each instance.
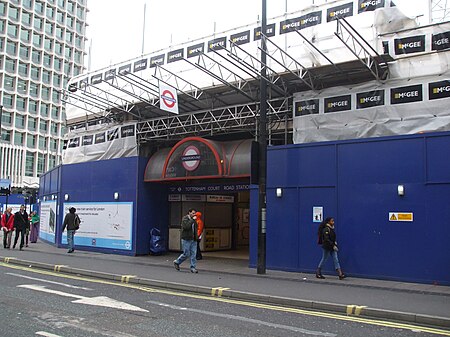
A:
(189, 239)
(21, 224)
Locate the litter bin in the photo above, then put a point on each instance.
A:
(157, 243)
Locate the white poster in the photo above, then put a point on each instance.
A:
(168, 99)
(103, 224)
(48, 221)
(317, 214)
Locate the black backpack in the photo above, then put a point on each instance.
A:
(320, 233)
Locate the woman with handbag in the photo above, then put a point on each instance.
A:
(329, 247)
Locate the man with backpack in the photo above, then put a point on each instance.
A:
(72, 222)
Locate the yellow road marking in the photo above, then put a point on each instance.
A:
(58, 267)
(7, 259)
(341, 317)
(126, 278)
(219, 291)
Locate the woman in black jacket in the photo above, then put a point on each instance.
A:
(329, 247)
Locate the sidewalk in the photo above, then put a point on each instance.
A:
(419, 303)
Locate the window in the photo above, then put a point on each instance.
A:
(55, 97)
(77, 56)
(48, 44)
(59, 33)
(57, 64)
(11, 48)
(46, 76)
(37, 40)
(21, 104)
(20, 121)
(45, 93)
(32, 123)
(40, 164)
(80, 12)
(45, 109)
(79, 27)
(35, 73)
(49, 27)
(54, 129)
(6, 118)
(39, 7)
(10, 65)
(32, 106)
(51, 162)
(31, 141)
(22, 86)
(13, 13)
(25, 35)
(68, 52)
(62, 3)
(6, 136)
(9, 83)
(23, 69)
(69, 21)
(13, 31)
(38, 23)
(43, 126)
(2, 26)
(58, 48)
(69, 37)
(76, 71)
(19, 138)
(55, 112)
(47, 61)
(29, 164)
(56, 80)
(60, 17)
(26, 18)
(70, 6)
(8, 101)
(36, 56)
(53, 145)
(24, 52)
(42, 143)
(79, 42)
(27, 3)
(67, 68)
(2, 8)
(50, 12)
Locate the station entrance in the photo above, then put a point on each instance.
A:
(225, 217)
(213, 178)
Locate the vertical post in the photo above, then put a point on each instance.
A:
(262, 141)
(143, 29)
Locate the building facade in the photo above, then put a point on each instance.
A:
(41, 47)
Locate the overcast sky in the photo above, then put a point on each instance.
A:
(116, 26)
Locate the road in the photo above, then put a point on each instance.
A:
(42, 303)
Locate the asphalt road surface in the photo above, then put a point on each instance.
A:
(43, 303)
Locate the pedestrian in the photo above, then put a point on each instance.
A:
(35, 224)
(20, 224)
(7, 224)
(72, 222)
(200, 226)
(329, 247)
(188, 241)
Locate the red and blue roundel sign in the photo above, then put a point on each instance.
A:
(191, 158)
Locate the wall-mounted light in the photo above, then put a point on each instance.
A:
(401, 190)
(116, 195)
(279, 192)
(66, 197)
(38, 200)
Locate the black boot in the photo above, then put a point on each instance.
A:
(341, 274)
(319, 273)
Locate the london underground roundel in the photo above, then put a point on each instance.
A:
(191, 158)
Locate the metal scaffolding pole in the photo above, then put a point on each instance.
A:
(262, 140)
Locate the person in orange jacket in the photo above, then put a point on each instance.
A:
(7, 224)
(200, 226)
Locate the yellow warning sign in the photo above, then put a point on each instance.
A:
(397, 216)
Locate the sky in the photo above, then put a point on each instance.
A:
(115, 31)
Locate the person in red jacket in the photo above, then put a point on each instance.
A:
(200, 226)
(7, 223)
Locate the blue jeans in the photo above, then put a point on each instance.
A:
(326, 254)
(70, 235)
(189, 250)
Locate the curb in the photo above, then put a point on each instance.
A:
(350, 310)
